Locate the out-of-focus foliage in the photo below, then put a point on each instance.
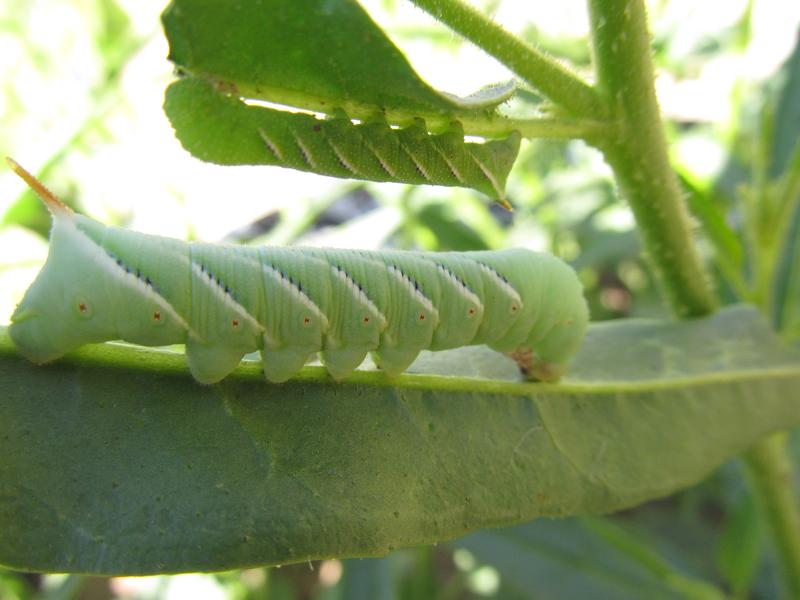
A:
(80, 95)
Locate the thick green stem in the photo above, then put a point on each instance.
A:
(544, 73)
(638, 154)
(771, 477)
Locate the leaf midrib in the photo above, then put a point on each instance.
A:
(174, 363)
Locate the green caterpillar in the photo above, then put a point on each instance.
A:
(104, 283)
(336, 146)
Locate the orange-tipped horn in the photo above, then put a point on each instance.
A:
(52, 202)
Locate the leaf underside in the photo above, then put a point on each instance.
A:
(115, 461)
(261, 50)
(224, 130)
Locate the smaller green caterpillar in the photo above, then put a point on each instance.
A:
(336, 147)
(104, 283)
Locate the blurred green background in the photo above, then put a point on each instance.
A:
(82, 88)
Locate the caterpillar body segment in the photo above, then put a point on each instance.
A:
(297, 300)
(104, 283)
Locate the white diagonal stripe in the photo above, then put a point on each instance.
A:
(498, 190)
(359, 294)
(502, 282)
(219, 292)
(110, 266)
(271, 145)
(456, 173)
(420, 168)
(385, 165)
(413, 290)
(342, 159)
(305, 152)
(297, 293)
(460, 286)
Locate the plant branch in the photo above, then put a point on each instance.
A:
(638, 155)
(542, 127)
(637, 152)
(543, 72)
(771, 478)
(487, 125)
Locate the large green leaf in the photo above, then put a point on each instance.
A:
(261, 50)
(113, 460)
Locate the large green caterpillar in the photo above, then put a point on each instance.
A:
(104, 283)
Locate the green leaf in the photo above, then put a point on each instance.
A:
(225, 130)
(786, 133)
(786, 164)
(788, 278)
(569, 559)
(115, 461)
(740, 545)
(261, 50)
(706, 208)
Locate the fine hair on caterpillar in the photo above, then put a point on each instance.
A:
(106, 283)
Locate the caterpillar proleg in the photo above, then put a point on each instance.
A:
(105, 283)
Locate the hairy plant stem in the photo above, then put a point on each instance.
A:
(638, 155)
(770, 474)
(544, 73)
